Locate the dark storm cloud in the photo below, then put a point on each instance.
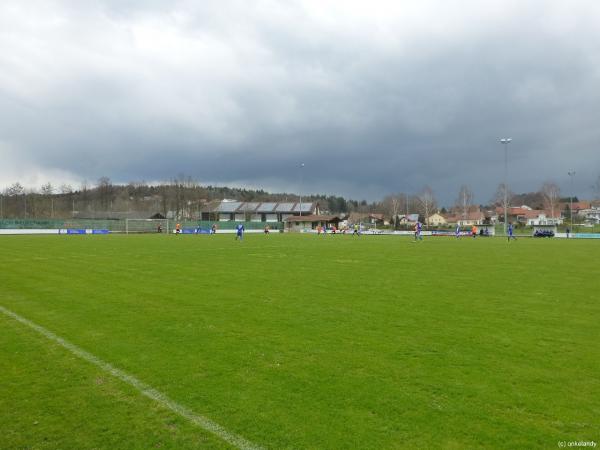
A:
(373, 99)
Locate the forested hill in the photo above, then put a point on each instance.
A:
(180, 195)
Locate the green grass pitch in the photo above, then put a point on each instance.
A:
(299, 341)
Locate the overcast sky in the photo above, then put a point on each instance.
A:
(372, 96)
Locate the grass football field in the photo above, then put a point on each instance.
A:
(299, 341)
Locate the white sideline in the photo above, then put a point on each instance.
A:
(144, 389)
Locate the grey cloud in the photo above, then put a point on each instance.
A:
(230, 93)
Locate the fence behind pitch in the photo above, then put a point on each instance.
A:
(120, 225)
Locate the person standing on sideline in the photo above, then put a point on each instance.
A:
(178, 228)
(213, 229)
(474, 231)
(510, 232)
(239, 232)
(418, 229)
(457, 232)
(355, 232)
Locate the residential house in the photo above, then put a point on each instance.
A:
(577, 206)
(378, 219)
(541, 217)
(467, 220)
(516, 214)
(365, 218)
(590, 215)
(407, 219)
(435, 220)
(529, 216)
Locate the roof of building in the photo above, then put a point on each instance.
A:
(285, 207)
(228, 207)
(534, 213)
(266, 207)
(581, 205)
(514, 210)
(410, 217)
(249, 206)
(312, 218)
(470, 217)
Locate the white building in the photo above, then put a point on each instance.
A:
(590, 215)
(535, 218)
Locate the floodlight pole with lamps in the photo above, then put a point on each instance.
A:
(301, 167)
(505, 142)
(406, 207)
(572, 175)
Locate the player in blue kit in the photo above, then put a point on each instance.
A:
(239, 232)
(510, 232)
(418, 229)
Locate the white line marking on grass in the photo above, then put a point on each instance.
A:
(148, 391)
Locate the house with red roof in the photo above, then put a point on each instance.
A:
(467, 220)
(542, 217)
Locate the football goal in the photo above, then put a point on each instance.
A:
(147, 226)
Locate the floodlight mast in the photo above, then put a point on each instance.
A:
(572, 175)
(505, 142)
(301, 167)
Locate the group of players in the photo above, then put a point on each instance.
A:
(240, 230)
(178, 229)
(458, 233)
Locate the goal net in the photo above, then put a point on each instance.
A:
(147, 226)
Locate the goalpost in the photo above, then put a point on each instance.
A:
(147, 226)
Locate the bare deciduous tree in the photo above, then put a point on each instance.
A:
(105, 192)
(498, 199)
(391, 206)
(47, 189)
(15, 189)
(501, 194)
(551, 193)
(427, 203)
(464, 200)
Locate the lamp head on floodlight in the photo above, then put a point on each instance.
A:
(506, 140)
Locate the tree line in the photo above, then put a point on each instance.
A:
(185, 198)
(181, 196)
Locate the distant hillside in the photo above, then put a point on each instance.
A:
(183, 197)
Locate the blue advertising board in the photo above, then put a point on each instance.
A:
(195, 231)
(75, 231)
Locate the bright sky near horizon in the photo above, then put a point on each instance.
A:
(373, 97)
